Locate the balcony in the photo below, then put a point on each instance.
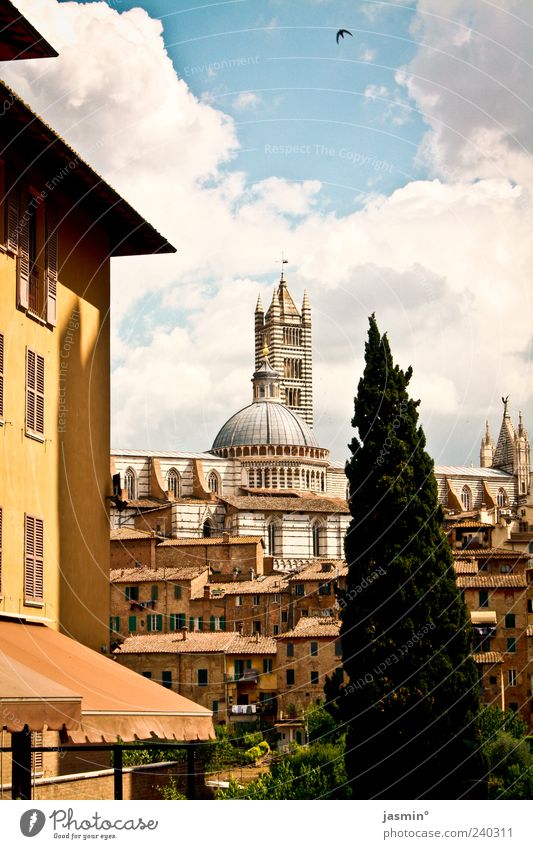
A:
(143, 605)
(247, 676)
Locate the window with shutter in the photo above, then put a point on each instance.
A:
(36, 757)
(1, 376)
(33, 559)
(132, 624)
(23, 263)
(12, 222)
(51, 267)
(34, 394)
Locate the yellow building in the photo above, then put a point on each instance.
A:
(60, 224)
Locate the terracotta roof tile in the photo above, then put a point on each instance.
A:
(478, 580)
(127, 533)
(145, 573)
(313, 626)
(315, 572)
(269, 584)
(467, 523)
(488, 657)
(188, 541)
(198, 643)
(495, 553)
(466, 567)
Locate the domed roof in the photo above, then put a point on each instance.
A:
(265, 423)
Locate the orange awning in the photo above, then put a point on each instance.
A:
(29, 698)
(116, 702)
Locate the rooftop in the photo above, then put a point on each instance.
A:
(472, 472)
(20, 39)
(196, 642)
(146, 574)
(495, 553)
(271, 584)
(316, 572)
(264, 423)
(492, 581)
(126, 533)
(313, 626)
(241, 540)
(286, 505)
(129, 233)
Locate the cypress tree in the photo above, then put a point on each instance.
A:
(411, 701)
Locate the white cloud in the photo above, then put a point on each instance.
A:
(246, 100)
(366, 54)
(445, 263)
(473, 81)
(373, 91)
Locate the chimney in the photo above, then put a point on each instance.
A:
(225, 538)
(207, 592)
(184, 633)
(241, 630)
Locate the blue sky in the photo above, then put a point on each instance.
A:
(394, 170)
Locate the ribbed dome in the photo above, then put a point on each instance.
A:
(265, 423)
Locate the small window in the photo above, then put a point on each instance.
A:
(214, 707)
(338, 648)
(256, 601)
(324, 589)
(202, 677)
(289, 677)
(34, 394)
(530, 605)
(267, 665)
(147, 674)
(114, 623)
(166, 679)
(300, 590)
(177, 621)
(290, 649)
(284, 617)
(466, 498)
(275, 630)
(501, 498)
(213, 483)
(511, 677)
(177, 591)
(511, 644)
(314, 676)
(483, 598)
(130, 482)
(238, 601)
(314, 649)
(493, 680)
(154, 622)
(173, 483)
(257, 626)
(131, 593)
(207, 529)
(510, 620)
(33, 559)
(154, 592)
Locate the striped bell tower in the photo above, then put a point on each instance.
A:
(287, 333)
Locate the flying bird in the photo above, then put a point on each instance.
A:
(341, 33)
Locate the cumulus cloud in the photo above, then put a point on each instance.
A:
(444, 262)
(246, 100)
(472, 79)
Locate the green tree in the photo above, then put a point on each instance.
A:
(510, 762)
(412, 697)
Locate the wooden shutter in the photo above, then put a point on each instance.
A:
(1, 376)
(132, 623)
(34, 392)
(33, 558)
(51, 267)
(149, 622)
(12, 221)
(23, 266)
(222, 623)
(1, 517)
(211, 623)
(159, 622)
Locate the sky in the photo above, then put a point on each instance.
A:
(393, 170)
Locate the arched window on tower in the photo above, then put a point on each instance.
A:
(466, 498)
(174, 483)
(501, 498)
(130, 482)
(213, 483)
(207, 529)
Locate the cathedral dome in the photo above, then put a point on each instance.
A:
(265, 423)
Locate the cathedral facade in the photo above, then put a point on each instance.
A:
(265, 475)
